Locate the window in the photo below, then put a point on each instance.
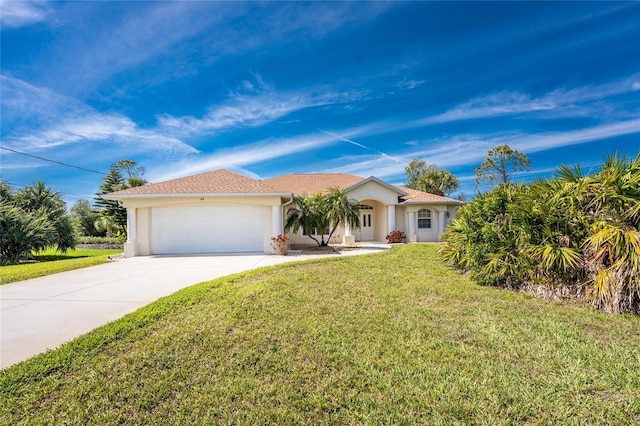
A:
(424, 219)
(315, 231)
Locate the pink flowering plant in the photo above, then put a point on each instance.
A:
(280, 244)
(396, 237)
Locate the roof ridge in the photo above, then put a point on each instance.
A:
(314, 174)
(410, 190)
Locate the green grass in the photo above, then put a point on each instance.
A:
(52, 261)
(391, 338)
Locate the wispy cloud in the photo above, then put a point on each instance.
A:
(15, 14)
(572, 102)
(257, 152)
(263, 104)
(410, 84)
(240, 156)
(39, 119)
(471, 149)
(177, 38)
(241, 111)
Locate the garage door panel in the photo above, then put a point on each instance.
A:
(212, 229)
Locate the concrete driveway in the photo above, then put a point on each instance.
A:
(43, 313)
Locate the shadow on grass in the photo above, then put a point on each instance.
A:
(54, 257)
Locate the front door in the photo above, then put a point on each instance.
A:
(365, 232)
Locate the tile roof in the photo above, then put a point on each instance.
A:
(414, 196)
(311, 184)
(215, 182)
(226, 182)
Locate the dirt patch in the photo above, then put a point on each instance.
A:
(323, 250)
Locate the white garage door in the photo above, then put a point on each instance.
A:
(219, 229)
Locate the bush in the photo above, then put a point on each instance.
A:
(280, 244)
(570, 235)
(118, 240)
(396, 237)
(21, 232)
(32, 220)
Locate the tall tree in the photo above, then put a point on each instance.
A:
(501, 163)
(116, 181)
(431, 178)
(113, 182)
(414, 170)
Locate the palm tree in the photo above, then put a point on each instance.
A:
(340, 210)
(305, 215)
(321, 212)
(612, 250)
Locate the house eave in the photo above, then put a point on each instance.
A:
(441, 203)
(116, 197)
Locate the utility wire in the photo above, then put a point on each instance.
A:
(53, 161)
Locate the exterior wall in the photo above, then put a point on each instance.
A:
(431, 234)
(401, 220)
(144, 229)
(452, 210)
(267, 229)
(374, 191)
(304, 240)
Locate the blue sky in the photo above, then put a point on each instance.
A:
(276, 87)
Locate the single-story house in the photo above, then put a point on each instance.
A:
(222, 211)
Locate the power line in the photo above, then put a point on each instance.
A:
(53, 161)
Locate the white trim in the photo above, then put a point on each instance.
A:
(116, 197)
(276, 221)
(131, 225)
(391, 216)
(441, 220)
(430, 203)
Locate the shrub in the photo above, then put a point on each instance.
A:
(117, 240)
(280, 244)
(21, 232)
(396, 237)
(573, 234)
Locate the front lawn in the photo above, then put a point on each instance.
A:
(52, 261)
(390, 338)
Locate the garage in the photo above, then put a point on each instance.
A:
(207, 229)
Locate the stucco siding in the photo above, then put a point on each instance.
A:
(374, 191)
(144, 226)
